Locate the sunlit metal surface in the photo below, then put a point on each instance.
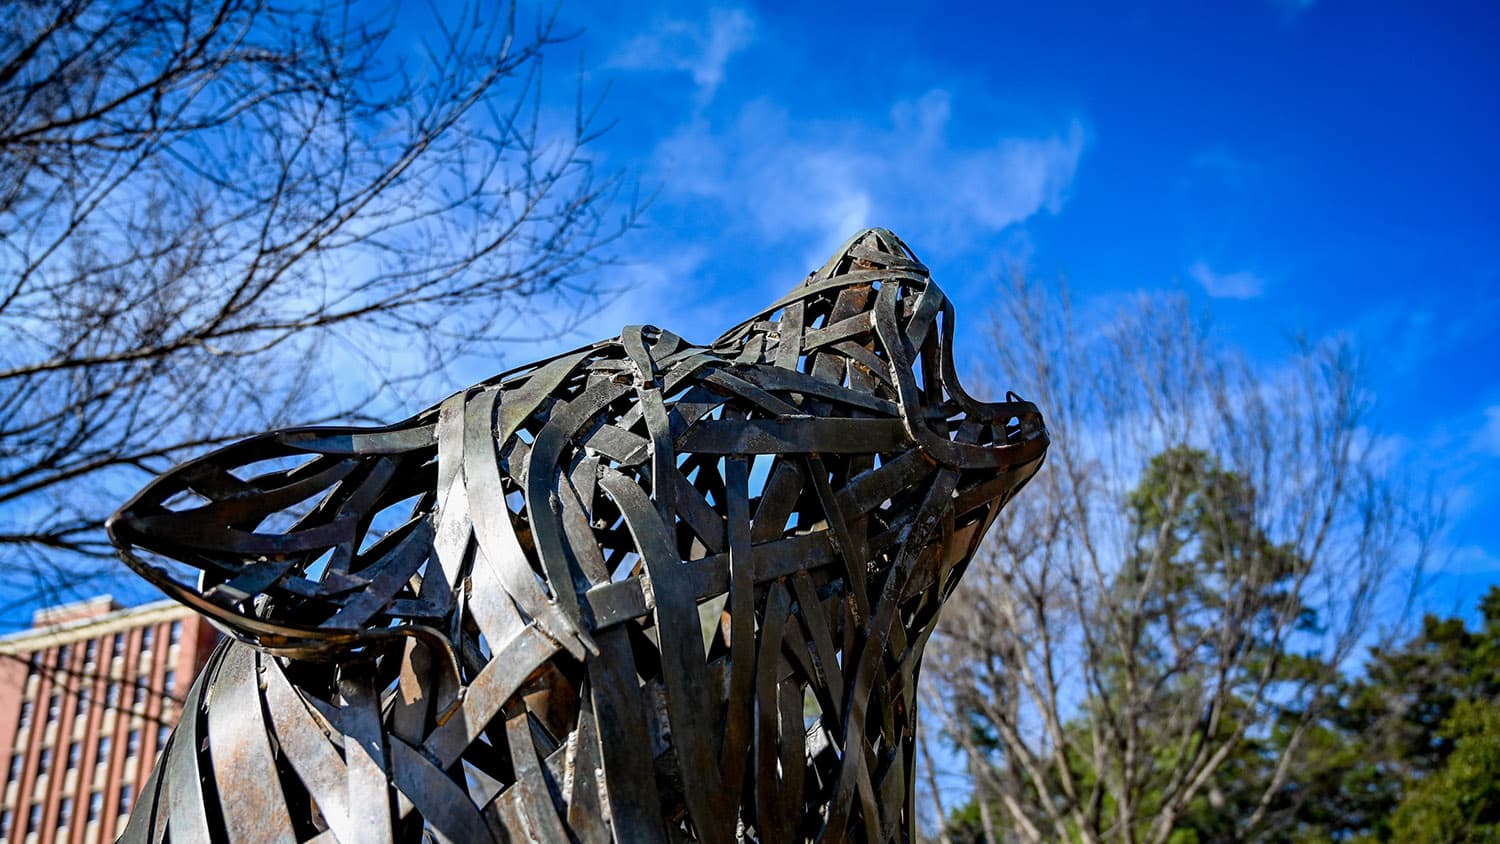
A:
(644, 591)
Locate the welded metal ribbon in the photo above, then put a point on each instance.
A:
(645, 591)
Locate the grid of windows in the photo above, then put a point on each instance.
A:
(57, 663)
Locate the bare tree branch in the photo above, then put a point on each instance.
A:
(1187, 574)
(208, 212)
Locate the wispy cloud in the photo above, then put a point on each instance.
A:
(1292, 8)
(1220, 166)
(816, 181)
(1241, 284)
(700, 48)
(1488, 438)
(1473, 559)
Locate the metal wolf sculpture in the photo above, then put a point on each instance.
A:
(644, 591)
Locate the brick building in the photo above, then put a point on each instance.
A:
(87, 695)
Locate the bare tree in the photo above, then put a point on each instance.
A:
(210, 211)
(1162, 615)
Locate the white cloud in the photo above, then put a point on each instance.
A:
(702, 49)
(1241, 284)
(817, 181)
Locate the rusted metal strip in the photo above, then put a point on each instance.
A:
(307, 748)
(557, 615)
(398, 439)
(368, 771)
(533, 797)
(773, 822)
(827, 680)
(739, 707)
(678, 635)
(615, 696)
(800, 383)
(488, 692)
(583, 780)
(240, 751)
(447, 814)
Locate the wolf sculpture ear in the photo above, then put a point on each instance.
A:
(872, 255)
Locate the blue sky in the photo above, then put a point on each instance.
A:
(1322, 168)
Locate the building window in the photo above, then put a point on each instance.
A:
(117, 648)
(64, 812)
(54, 707)
(112, 696)
(83, 705)
(174, 633)
(103, 755)
(62, 656)
(138, 697)
(169, 682)
(5, 821)
(162, 734)
(124, 799)
(148, 636)
(32, 664)
(26, 707)
(96, 805)
(74, 754)
(91, 653)
(16, 761)
(132, 743)
(34, 821)
(43, 761)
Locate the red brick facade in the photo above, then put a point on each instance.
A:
(86, 698)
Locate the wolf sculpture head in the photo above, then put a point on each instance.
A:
(644, 591)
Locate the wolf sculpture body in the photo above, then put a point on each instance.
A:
(645, 591)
